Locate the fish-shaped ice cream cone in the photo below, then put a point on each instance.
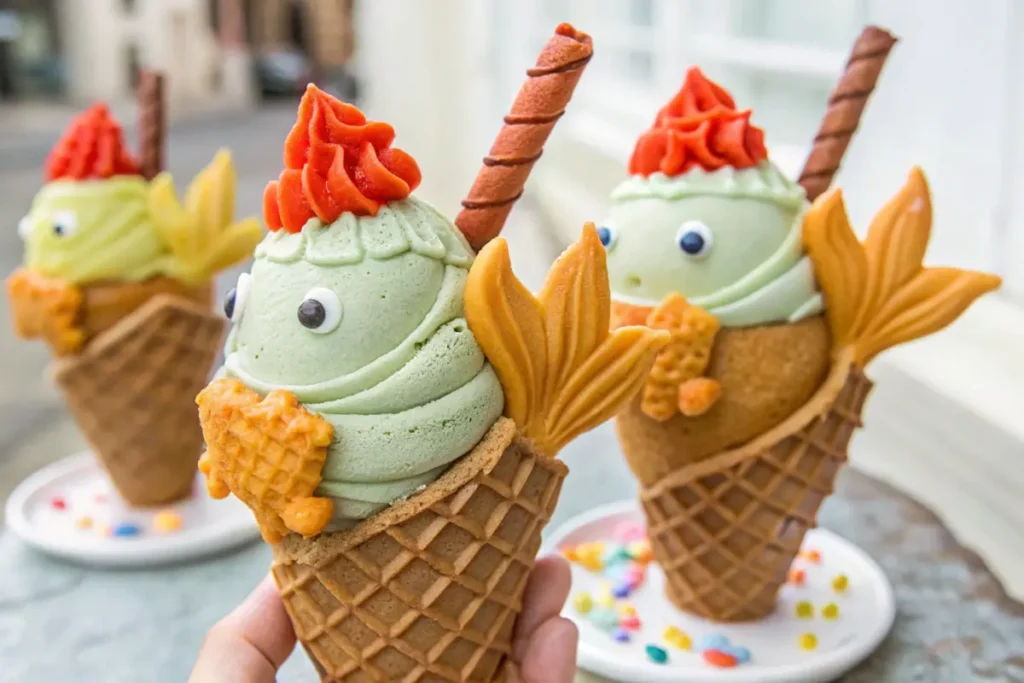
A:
(118, 281)
(402, 540)
(775, 308)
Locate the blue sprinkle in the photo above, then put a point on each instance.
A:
(621, 590)
(741, 654)
(620, 635)
(656, 654)
(615, 572)
(715, 642)
(126, 530)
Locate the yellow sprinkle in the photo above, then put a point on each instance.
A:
(604, 596)
(840, 583)
(830, 611)
(626, 609)
(808, 641)
(583, 602)
(804, 610)
(673, 636)
(83, 522)
(570, 554)
(167, 521)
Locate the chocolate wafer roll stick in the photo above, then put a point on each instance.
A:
(152, 123)
(541, 101)
(845, 107)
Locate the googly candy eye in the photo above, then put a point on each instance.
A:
(25, 227)
(234, 302)
(695, 239)
(65, 224)
(320, 310)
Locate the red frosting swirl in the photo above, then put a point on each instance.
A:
(92, 148)
(335, 161)
(698, 127)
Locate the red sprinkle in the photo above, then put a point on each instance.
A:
(58, 503)
(723, 660)
(797, 576)
(630, 622)
(812, 556)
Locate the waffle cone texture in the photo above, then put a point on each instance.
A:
(725, 530)
(429, 589)
(131, 390)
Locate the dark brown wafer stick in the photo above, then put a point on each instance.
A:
(541, 101)
(845, 107)
(152, 123)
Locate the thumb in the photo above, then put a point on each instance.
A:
(250, 644)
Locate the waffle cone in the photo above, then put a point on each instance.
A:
(106, 303)
(132, 389)
(430, 588)
(726, 529)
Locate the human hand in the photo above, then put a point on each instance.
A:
(544, 643)
(251, 643)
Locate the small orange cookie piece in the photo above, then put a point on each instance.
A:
(685, 358)
(46, 308)
(696, 396)
(269, 453)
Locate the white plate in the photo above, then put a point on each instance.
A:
(71, 510)
(866, 613)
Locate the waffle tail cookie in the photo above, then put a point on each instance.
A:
(430, 588)
(725, 527)
(131, 392)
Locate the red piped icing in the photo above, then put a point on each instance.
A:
(335, 161)
(92, 148)
(700, 126)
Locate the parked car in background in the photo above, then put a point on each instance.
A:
(282, 72)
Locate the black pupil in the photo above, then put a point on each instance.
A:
(605, 235)
(312, 314)
(58, 229)
(692, 242)
(229, 303)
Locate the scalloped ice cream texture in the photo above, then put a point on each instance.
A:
(756, 271)
(402, 379)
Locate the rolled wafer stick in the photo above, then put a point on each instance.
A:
(152, 123)
(541, 101)
(845, 107)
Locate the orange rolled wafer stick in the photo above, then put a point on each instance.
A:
(538, 106)
(845, 107)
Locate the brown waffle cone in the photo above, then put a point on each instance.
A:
(725, 530)
(132, 390)
(105, 303)
(430, 588)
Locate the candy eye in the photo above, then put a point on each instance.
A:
(320, 310)
(234, 302)
(695, 239)
(607, 236)
(25, 227)
(65, 224)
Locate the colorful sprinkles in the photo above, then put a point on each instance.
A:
(91, 513)
(622, 563)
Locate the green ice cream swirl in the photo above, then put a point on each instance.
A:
(401, 377)
(752, 269)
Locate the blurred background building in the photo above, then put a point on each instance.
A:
(443, 72)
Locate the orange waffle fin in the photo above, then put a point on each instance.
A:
(879, 293)
(46, 308)
(685, 358)
(562, 370)
(268, 452)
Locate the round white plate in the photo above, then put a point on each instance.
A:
(71, 510)
(866, 613)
